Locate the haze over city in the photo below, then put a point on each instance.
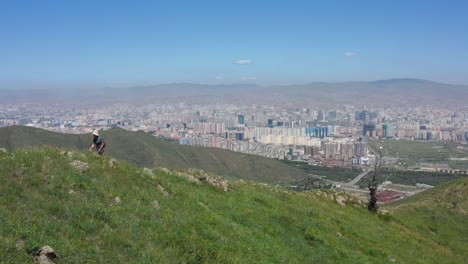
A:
(57, 44)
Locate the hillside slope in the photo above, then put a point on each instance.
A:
(119, 213)
(440, 214)
(142, 149)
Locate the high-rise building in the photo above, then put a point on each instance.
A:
(183, 141)
(320, 116)
(311, 150)
(270, 122)
(368, 129)
(240, 119)
(360, 149)
(429, 136)
(362, 116)
(365, 116)
(240, 136)
(319, 132)
(388, 131)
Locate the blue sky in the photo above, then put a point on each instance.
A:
(128, 43)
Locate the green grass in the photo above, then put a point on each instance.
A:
(143, 149)
(413, 177)
(330, 173)
(440, 214)
(196, 223)
(414, 152)
(386, 174)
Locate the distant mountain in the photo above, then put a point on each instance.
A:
(389, 92)
(410, 92)
(143, 149)
(405, 81)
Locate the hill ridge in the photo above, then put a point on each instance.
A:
(143, 149)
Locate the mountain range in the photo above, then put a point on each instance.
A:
(384, 92)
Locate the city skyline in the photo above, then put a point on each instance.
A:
(329, 136)
(52, 44)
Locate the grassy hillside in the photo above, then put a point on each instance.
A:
(12, 137)
(440, 214)
(142, 149)
(119, 214)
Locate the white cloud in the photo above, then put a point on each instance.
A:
(243, 62)
(249, 78)
(350, 53)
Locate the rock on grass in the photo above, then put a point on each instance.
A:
(80, 165)
(46, 255)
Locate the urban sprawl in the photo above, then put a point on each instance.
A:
(329, 137)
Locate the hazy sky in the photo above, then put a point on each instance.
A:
(126, 43)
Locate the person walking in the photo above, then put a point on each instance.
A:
(98, 142)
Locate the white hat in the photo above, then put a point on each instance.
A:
(96, 133)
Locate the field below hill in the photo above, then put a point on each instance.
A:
(339, 174)
(91, 209)
(415, 153)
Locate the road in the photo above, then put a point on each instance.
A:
(359, 177)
